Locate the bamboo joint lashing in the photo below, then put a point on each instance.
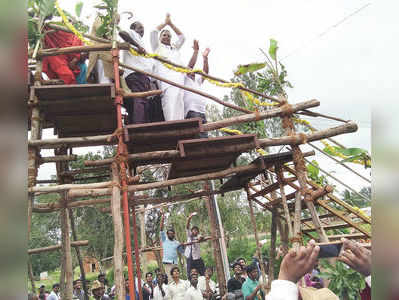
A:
(117, 133)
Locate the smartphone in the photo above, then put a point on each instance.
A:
(331, 249)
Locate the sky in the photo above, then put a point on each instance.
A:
(332, 51)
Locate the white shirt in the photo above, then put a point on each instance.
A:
(283, 290)
(202, 284)
(193, 101)
(193, 294)
(53, 296)
(172, 54)
(144, 64)
(158, 294)
(177, 291)
(193, 249)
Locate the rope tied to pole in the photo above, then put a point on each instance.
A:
(118, 133)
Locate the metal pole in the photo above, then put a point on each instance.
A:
(222, 240)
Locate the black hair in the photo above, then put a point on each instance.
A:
(56, 285)
(209, 268)
(235, 264)
(251, 267)
(170, 229)
(173, 269)
(100, 275)
(134, 24)
(195, 227)
(148, 273)
(241, 258)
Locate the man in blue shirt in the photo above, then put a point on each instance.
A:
(170, 247)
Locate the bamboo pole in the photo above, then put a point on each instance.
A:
(98, 140)
(75, 193)
(281, 182)
(62, 28)
(258, 246)
(333, 198)
(215, 244)
(31, 277)
(67, 269)
(78, 255)
(142, 94)
(65, 187)
(272, 253)
(339, 162)
(118, 235)
(78, 49)
(57, 158)
(337, 180)
(206, 95)
(341, 216)
(256, 116)
(57, 247)
(300, 168)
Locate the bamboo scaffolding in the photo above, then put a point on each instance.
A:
(66, 187)
(75, 193)
(258, 246)
(118, 235)
(57, 247)
(77, 49)
(339, 181)
(94, 38)
(300, 168)
(341, 216)
(210, 206)
(57, 158)
(295, 139)
(78, 255)
(281, 182)
(339, 162)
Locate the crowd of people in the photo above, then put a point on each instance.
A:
(298, 268)
(173, 104)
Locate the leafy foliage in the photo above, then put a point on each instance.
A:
(313, 173)
(352, 154)
(107, 9)
(345, 282)
(243, 69)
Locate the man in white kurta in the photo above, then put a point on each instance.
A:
(172, 99)
(193, 292)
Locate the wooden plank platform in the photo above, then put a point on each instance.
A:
(268, 161)
(78, 109)
(159, 136)
(200, 156)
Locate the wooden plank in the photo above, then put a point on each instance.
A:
(338, 214)
(54, 92)
(159, 136)
(353, 236)
(200, 156)
(330, 227)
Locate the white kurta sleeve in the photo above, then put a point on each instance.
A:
(154, 39)
(180, 41)
(283, 290)
(368, 280)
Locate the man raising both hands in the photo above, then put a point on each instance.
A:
(192, 252)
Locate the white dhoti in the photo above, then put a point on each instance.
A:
(172, 103)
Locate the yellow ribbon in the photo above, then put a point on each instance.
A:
(238, 132)
(70, 26)
(330, 148)
(256, 101)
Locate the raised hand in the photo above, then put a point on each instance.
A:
(206, 52)
(356, 257)
(196, 45)
(297, 264)
(168, 21)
